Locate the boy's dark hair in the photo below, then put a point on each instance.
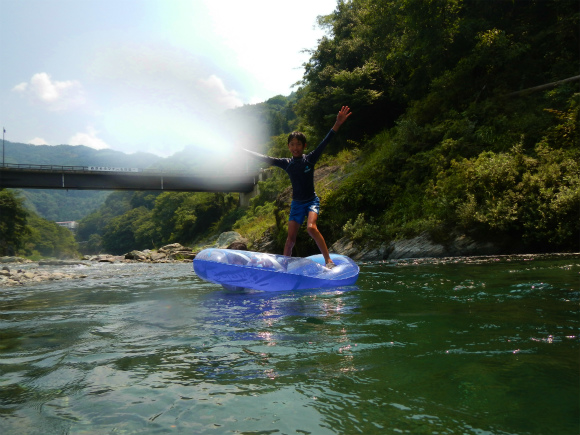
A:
(297, 135)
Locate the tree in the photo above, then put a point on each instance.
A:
(13, 219)
(120, 233)
(48, 239)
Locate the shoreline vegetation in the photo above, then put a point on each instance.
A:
(463, 141)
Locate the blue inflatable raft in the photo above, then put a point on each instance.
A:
(269, 272)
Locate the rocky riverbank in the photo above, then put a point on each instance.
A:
(17, 276)
(16, 271)
(422, 246)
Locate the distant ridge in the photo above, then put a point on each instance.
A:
(73, 155)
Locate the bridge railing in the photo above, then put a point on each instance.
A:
(43, 167)
(92, 169)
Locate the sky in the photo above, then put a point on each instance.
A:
(146, 75)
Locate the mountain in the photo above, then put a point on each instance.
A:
(69, 155)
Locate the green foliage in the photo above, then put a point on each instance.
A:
(276, 116)
(47, 239)
(450, 66)
(63, 205)
(13, 218)
(269, 189)
(92, 246)
(536, 198)
(115, 205)
(145, 220)
(381, 56)
(360, 230)
(120, 234)
(24, 232)
(256, 221)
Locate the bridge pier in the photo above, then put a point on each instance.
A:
(246, 196)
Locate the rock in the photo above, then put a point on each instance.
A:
(266, 243)
(109, 258)
(173, 247)
(417, 247)
(156, 256)
(182, 255)
(136, 255)
(421, 246)
(240, 246)
(165, 254)
(227, 238)
(33, 276)
(56, 276)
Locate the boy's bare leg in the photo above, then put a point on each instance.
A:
(293, 228)
(315, 234)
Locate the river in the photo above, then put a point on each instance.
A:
(477, 346)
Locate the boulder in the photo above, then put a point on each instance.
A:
(266, 243)
(136, 255)
(239, 246)
(173, 247)
(105, 258)
(156, 256)
(228, 238)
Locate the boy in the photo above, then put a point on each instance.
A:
(300, 168)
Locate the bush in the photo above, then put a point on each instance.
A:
(534, 198)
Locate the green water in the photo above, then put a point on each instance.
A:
(464, 346)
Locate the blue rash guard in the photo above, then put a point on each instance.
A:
(300, 169)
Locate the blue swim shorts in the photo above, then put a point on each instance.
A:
(300, 209)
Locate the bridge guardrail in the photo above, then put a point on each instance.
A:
(73, 168)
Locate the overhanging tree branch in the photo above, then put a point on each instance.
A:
(542, 87)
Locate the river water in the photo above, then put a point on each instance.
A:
(457, 346)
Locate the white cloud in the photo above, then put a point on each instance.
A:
(37, 141)
(217, 91)
(161, 75)
(88, 139)
(55, 95)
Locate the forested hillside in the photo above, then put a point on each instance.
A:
(25, 233)
(449, 133)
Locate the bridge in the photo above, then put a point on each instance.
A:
(99, 178)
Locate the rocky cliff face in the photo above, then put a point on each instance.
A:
(421, 246)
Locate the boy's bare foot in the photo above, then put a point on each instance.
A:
(330, 264)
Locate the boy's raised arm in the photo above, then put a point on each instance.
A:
(266, 159)
(342, 116)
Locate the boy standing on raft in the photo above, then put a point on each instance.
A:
(300, 168)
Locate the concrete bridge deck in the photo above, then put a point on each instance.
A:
(84, 178)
